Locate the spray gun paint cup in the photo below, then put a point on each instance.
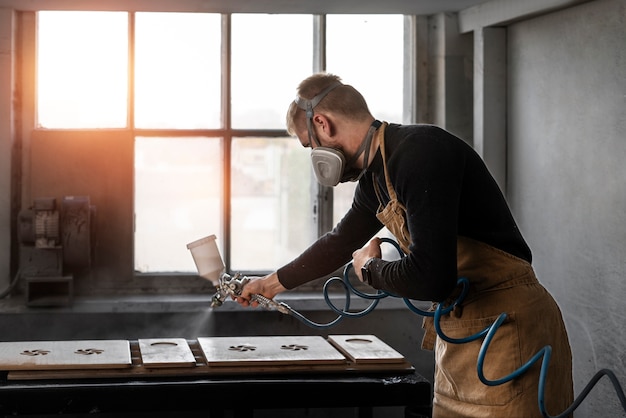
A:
(207, 258)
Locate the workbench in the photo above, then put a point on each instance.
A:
(200, 390)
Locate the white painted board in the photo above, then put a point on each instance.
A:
(166, 352)
(365, 349)
(56, 355)
(272, 350)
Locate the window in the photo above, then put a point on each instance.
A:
(204, 98)
(270, 55)
(82, 69)
(178, 183)
(177, 71)
(373, 65)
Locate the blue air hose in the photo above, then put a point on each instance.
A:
(488, 333)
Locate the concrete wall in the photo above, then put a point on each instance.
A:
(567, 176)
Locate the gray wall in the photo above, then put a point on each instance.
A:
(567, 176)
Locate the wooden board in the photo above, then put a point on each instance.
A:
(56, 355)
(166, 352)
(274, 351)
(138, 370)
(365, 349)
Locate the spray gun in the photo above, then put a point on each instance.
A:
(211, 267)
(232, 286)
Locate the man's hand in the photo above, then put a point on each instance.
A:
(360, 257)
(268, 286)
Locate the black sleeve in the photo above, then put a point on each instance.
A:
(334, 249)
(426, 172)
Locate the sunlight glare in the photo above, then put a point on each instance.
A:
(82, 69)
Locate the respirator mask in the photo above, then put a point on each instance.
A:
(329, 164)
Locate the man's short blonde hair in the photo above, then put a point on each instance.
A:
(344, 100)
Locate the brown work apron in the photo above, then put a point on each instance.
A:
(499, 283)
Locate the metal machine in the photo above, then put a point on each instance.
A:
(55, 243)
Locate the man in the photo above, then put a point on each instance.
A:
(436, 196)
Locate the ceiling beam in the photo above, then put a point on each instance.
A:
(421, 7)
(502, 12)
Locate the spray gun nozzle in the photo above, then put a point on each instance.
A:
(217, 300)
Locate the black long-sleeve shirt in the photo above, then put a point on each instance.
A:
(447, 191)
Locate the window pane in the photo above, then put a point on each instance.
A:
(373, 65)
(178, 190)
(367, 52)
(342, 200)
(271, 54)
(82, 69)
(177, 70)
(271, 205)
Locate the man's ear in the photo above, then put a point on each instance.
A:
(324, 123)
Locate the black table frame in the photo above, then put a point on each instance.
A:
(198, 393)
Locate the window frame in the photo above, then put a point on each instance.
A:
(321, 214)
